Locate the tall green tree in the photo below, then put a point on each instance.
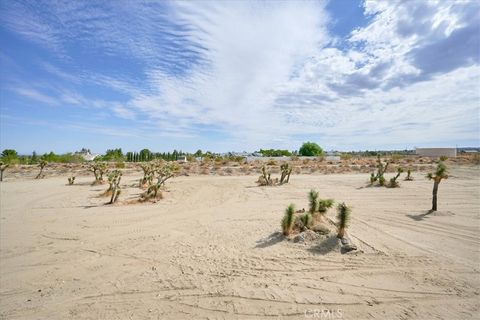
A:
(310, 149)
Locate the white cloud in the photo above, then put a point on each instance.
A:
(269, 74)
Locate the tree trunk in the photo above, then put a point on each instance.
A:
(39, 176)
(1, 174)
(434, 193)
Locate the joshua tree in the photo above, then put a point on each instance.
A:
(265, 179)
(440, 173)
(42, 165)
(164, 172)
(147, 174)
(324, 205)
(71, 180)
(409, 177)
(312, 201)
(286, 171)
(114, 178)
(381, 169)
(288, 219)
(98, 169)
(393, 181)
(343, 216)
(3, 166)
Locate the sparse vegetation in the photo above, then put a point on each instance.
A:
(393, 181)
(71, 180)
(42, 165)
(439, 174)
(288, 219)
(443, 158)
(381, 169)
(164, 171)
(98, 169)
(343, 216)
(266, 178)
(324, 205)
(409, 176)
(114, 178)
(312, 201)
(307, 220)
(286, 171)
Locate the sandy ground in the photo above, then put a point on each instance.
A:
(210, 249)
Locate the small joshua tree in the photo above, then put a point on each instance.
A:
(324, 205)
(98, 169)
(343, 216)
(439, 174)
(409, 177)
(312, 201)
(381, 169)
(42, 165)
(286, 171)
(164, 172)
(3, 166)
(71, 180)
(265, 179)
(393, 181)
(288, 219)
(114, 178)
(148, 171)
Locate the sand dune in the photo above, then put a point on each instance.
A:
(211, 249)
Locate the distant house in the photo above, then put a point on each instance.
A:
(87, 155)
(182, 159)
(436, 152)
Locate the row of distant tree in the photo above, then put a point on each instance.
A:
(11, 156)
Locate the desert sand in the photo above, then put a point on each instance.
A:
(211, 249)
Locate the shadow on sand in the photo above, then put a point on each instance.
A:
(420, 217)
(271, 240)
(332, 243)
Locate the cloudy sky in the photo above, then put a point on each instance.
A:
(238, 75)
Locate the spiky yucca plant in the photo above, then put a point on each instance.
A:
(312, 201)
(343, 216)
(437, 177)
(324, 205)
(307, 220)
(288, 219)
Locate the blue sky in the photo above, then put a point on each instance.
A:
(238, 75)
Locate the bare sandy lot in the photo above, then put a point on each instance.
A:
(210, 250)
